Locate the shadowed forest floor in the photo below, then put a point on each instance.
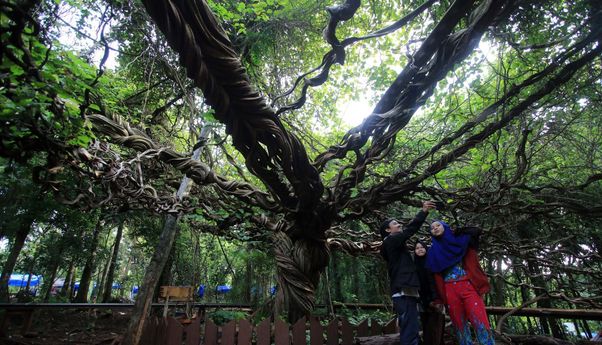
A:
(70, 327)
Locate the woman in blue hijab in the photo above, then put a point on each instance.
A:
(460, 280)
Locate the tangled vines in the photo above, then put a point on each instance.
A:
(279, 159)
(211, 62)
(121, 133)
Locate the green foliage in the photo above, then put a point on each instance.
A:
(221, 317)
(536, 196)
(357, 316)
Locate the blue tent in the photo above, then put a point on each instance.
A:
(223, 288)
(20, 280)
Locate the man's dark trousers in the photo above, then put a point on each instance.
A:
(406, 308)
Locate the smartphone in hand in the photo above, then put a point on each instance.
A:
(440, 205)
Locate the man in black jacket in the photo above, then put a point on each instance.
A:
(402, 272)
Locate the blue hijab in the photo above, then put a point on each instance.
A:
(447, 249)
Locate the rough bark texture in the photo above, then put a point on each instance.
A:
(15, 250)
(84, 282)
(154, 269)
(151, 277)
(66, 289)
(106, 296)
(51, 276)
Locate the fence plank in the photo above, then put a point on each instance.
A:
(210, 333)
(162, 334)
(362, 329)
(229, 333)
(332, 332)
(263, 333)
(281, 336)
(346, 332)
(149, 332)
(193, 332)
(245, 330)
(174, 331)
(375, 327)
(299, 332)
(316, 332)
(390, 327)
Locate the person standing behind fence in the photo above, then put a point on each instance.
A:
(460, 280)
(431, 313)
(402, 272)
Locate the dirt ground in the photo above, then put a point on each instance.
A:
(68, 327)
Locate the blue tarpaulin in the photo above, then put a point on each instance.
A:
(20, 280)
(201, 291)
(223, 288)
(273, 290)
(134, 291)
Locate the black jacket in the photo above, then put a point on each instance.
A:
(428, 290)
(402, 271)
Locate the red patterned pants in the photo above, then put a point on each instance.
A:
(465, 304)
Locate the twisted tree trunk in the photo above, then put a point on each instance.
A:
(300, 264)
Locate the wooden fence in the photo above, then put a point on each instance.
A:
(170, 331)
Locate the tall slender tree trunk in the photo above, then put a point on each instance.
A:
(355, 279)
(29, 273)
(53, 270)
(84, 282)
(166, 274)
(335, 269)
(149, 283)
(71, 295)
(499, 283)
(549, 324)
(103, 277)
(577, 328)
(586, 329)
(248, 282)
(195, 258)
(124, 274)
(155, 267)
(15, 250)
(66, 289)
(106, 296)
(524, 294)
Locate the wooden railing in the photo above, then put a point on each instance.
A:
(238, 333)
(582, 314)
(169, 331)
